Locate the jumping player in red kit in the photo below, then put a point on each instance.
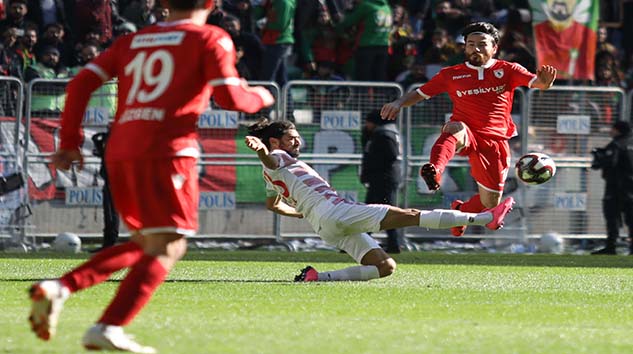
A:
(166, 76)
(481, 90)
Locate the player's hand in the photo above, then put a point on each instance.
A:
(390, 111)
(63, 159)
(254, 143)
(545, 77)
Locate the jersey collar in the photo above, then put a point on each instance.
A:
(480, 69)
(174, 23)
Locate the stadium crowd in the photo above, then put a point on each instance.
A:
(306, 39)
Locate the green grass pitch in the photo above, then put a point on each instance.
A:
(244, 302)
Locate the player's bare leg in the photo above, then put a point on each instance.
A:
(452, 140)
(161, 252)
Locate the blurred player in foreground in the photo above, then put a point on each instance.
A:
(295, 189)
(166, 74)
(481, 90)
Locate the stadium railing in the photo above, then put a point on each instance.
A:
(565, 122)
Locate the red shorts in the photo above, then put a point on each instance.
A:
(156, 196)
(489, 160)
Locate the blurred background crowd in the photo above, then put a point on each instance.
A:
(406, 41)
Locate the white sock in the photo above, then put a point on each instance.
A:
(352, 273)
(444, 219)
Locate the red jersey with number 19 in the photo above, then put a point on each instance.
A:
(481, 96)
(166, 75)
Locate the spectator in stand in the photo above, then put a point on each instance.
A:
(47, 12)
(603, 42)
(243, 10)
(415, 75)
(250, 45)
(607, 70)
(23, 53)
(16, 17)
(277, 37)
(47, 98)
(9, 37)
(403, 49)
(451, 18)
(514, 47)
(160, 13)
(441, 50)
(459, 56)
(140, 13)
(94, 16)
(54, 35)
(374, 19)
(319, 42)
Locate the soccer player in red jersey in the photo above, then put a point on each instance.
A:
(166, 74)
(481, 90)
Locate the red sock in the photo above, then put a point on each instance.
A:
(102, 265)
(443, 150)
(135, 291)
(472, 205)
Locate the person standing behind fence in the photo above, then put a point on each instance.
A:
(481, 90)
(296, 190)
(380, 170)
(277, 37)
(616, 163)
(167, 74)
(374, 18)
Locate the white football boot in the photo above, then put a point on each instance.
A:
(48, 299)
(106, 337)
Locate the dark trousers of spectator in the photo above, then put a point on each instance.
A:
(385, 194)
(614, 209)
(275, 63)
(371, 63)
(110, 216)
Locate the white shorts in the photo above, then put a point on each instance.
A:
(344, 226)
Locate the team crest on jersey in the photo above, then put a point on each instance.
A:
(498, 73)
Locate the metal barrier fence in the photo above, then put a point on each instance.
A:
(13, 205)
(329, 116)
(565, 122)
(423, 126)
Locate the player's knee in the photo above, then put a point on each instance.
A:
(387, 267)
(453, 128)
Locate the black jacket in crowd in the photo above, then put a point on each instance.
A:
(382, 156)
(616, 163)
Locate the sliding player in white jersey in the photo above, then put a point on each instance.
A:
(295, 189)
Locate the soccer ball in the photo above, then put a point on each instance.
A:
(551, 242)
(535, 168)
(67, 242)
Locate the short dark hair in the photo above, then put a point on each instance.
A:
(186, 4)
(483, 27)
(265, 129)
(623, 127)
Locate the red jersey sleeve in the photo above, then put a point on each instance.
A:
(520, 76)
(90, 78)
(435, 86)
(222, 75)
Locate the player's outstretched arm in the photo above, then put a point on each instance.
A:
(391, 110)
(255, 144)
(275, 204)
(545, 77)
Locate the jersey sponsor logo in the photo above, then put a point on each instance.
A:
(498, 73)
(480, 90)
(143, 113)
(457, 77)
(157, 39)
